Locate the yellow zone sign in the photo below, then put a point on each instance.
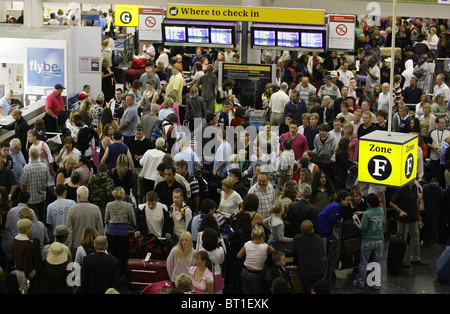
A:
(126, 15)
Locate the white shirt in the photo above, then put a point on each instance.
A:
(345, 77)
(149, 162)
(443, 89)
(164, 58)
(277, 101)
(370, 82)
(383, 101)
(154, 218)
(231, 204)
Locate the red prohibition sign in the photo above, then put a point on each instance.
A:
(341, 29)
(150, 21)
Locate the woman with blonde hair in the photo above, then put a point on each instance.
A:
(427, 121)
(71, 125)
(167, 108)
(85, 111)
(230, 200)
(122, 174)
(255, 252)
(353, 147)
(86, 244)
(38, 229)
(119, 216)
(180, 212)
(275, 224)
(65, 171)
(181, 256)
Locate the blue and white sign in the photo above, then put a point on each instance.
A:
(45, 66)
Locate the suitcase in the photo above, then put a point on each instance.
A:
(140, 274)
(352, 245)
(155, 288)
(396, 252)
(443, 265)
(349, 230)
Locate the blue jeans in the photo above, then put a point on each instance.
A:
(251, 282)
(370, 252)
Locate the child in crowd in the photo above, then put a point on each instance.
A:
(278, 268)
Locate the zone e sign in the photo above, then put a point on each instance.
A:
(387, 160)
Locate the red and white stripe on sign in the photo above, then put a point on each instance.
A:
(342, 18)
(150, 11)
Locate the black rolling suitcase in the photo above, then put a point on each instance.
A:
(396, 252)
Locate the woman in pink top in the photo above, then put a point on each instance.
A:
(85, 169)
(201, 274)
(175, 106)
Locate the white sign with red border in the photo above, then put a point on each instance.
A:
(341, 32)
(150, 21)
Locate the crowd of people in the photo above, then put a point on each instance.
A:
(230, 217)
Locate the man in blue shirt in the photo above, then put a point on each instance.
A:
(57, 210)
(296, 106)
(13, 214)
(326, 221)
(5, 103)
(129, 119)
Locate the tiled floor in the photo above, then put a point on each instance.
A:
(413, 280)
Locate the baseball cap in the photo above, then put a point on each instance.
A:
(388, 60)
(61, 230)
(59, 86)
(368, 47)
(359, 89)
(327, 78)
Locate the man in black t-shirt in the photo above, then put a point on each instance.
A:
(165, 188)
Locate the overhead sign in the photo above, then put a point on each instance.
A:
(250, 14)
(126, 15)
(341, 32)
(387, 160)
(45, 66)
(150, 21)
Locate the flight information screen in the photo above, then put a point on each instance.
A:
(175, 33)
(288, 39)
(221, 36)
(198, 35)
(264, 38)
(312, 40)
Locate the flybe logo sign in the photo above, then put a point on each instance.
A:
(45, 66)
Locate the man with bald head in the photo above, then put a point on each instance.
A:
(383, 98)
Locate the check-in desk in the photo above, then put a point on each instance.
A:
(30, 113)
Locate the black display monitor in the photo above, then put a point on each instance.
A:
(221, 36)
(312, 39)
(288, 39)
(198, 35)
(262, 37)
(175, 34)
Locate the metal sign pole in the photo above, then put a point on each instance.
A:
(391, 78)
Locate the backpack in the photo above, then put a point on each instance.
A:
(202, 184)
(158, 131)
(150, 243)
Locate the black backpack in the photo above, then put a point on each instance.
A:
(150, 243)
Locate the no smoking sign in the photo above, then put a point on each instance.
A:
(341, 29)
(150, 21)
